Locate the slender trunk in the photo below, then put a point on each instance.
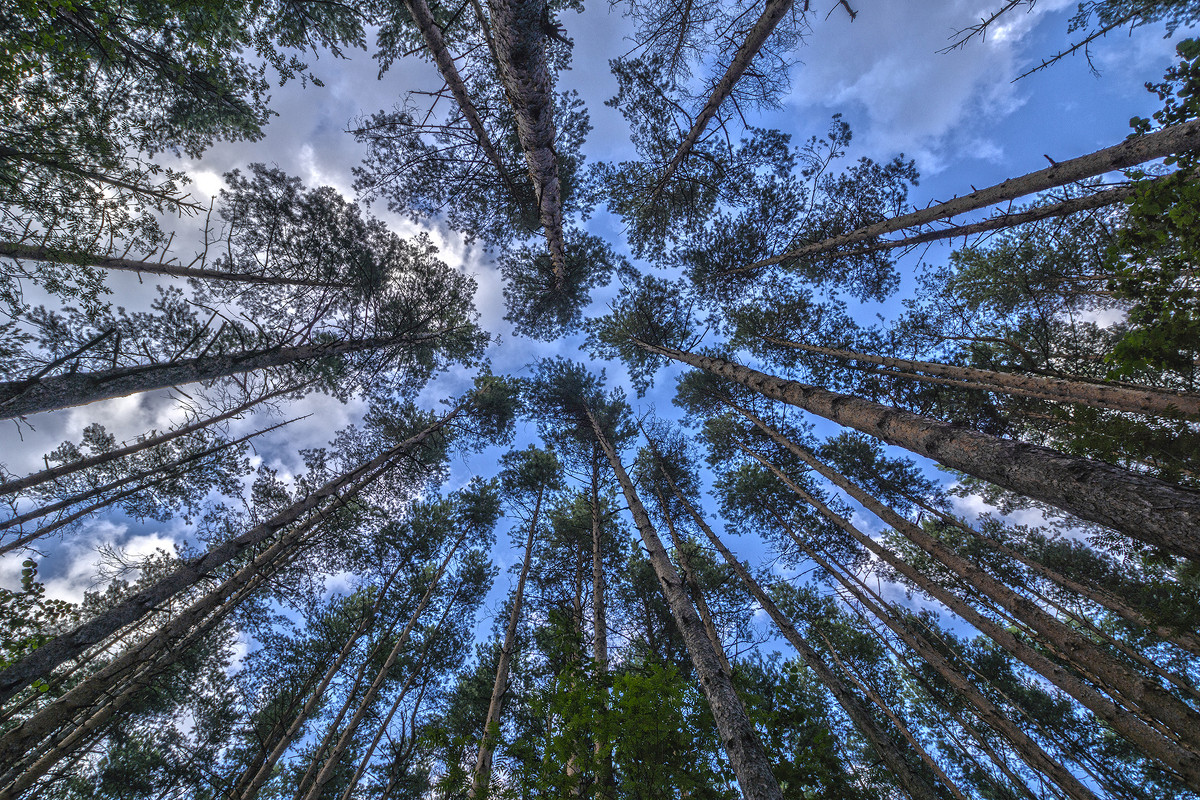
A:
(49, 255)
(62, 470)
(41, 662)
(157, 470)
(1029, 750)
(521, 61)
(1062, 208)
(1136, 691)
(1097, 395)
(260, 776)
(914, 784)
(603, 748)
(19, 398)
(423, 18)
(1129, 153)
(771, 16)
(1144, 508)
(745, 752)
(364, 705)
(1147, 738)
(491, 726)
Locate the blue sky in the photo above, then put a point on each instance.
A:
(959, 114)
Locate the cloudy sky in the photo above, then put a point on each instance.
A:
(959, 114)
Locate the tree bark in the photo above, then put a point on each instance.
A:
(1179, 758)
(62, 470)
(1144, 508)
(19, 398)
(1097, 395)
(521, 62)
(49, 255)
(771, 16)
(914, 784)
(42, 661)
(745, 752)
(1129, 153)
(487, 744)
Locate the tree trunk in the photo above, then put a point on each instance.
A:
(432, 34)
(1145, 737)
(914, 784)
(1144, 508)
(745, 752)
(62, 470)
(159, 470)
(18, 398)
(42, 661)
(364, 705)
(603, 748)
(1129, 153)
(1097, 395)
(491, 726)
(49, 255)
(772, 15)
(521, 61)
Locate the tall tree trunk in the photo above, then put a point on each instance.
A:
(1074, 205)
(491, 727)
(913, 783)
(63, 470)
(18, 251)
(603, 748)
(1145, 736)
(521, 62)
(19, 398)
(423, 17)
(254, 782)
(1129, 153)
(158, 470)
(46, 658)
(772, 15)
(745, 751)
(1143, 508)
(1097, 395)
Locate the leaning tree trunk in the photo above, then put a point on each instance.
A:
(1145, 737)
(1144, 508)
(771, 16)
(364, 705)
(914, 784)
(521, 61)
(66, 646)
(1097, 395)
(18, 398)
(423, 18)
(18, 251)
(491, 726)
(63, 470)
(1129, 153)
(741, 743)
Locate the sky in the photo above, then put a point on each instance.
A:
(959, 114)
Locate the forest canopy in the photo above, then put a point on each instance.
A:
(603, 427)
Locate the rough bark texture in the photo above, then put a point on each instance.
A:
(18, 398)
(63, 470)
(432, 34)
(1143, 508)
(1142, 735)
(1098, 395)
(487, 743)
(517, 34)
(1131, 152)
(745, 751)
(47, 255)
(913, 783)
(772, 15)
(42, 661)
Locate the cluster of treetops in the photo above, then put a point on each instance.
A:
(1045, 649)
